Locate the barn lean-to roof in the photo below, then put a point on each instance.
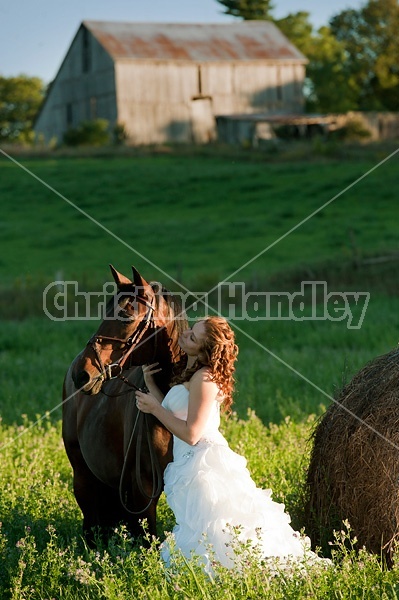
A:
(241, 41)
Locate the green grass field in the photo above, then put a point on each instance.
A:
(197, 218)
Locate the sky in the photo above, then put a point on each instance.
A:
(36, 34)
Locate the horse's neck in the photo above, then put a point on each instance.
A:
(162, 379)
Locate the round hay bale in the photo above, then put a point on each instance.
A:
(354, 467)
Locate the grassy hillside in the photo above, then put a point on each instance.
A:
(197, 218)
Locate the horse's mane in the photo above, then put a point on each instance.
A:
(176, 321)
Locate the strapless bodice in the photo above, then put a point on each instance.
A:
(176, 400)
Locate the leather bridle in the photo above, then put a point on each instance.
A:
(114, 371)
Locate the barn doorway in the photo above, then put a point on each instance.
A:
(202, 120)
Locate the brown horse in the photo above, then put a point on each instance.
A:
(118, 454)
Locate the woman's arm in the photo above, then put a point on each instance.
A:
(202, 392)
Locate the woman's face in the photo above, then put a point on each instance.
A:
(191, 340)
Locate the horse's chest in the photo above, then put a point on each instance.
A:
(101, 443)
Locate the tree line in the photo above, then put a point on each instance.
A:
(353, 60)
(353, 63)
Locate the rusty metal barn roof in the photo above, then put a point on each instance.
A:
(243, 41)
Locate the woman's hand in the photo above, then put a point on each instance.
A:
(147, 403)
(149, 372)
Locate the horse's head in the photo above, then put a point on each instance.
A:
(138, 328)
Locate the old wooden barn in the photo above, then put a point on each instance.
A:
(168, 82)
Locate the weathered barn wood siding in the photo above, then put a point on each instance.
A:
(253, 87)
(154, 99)
(76, 95)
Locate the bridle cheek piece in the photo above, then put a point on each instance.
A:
(114, 370)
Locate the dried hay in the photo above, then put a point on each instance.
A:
(354, 467)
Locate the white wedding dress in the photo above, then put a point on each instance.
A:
(210, 491)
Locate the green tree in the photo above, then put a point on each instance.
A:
(20, 100)
(256, 10)
(371, 42)
(326, 86)
(330, 88)
(298, 29)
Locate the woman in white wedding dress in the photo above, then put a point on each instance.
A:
(208, 486)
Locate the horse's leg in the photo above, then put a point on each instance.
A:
(151, 516)
(102, 507)
(98, 502)
(135, 500)
(95, 499)
(161, 441)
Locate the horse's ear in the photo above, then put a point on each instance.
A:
(119, 279)
(138, 280)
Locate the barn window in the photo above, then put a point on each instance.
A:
(86, 56)
(69, 114)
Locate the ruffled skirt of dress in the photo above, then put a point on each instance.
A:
(217, 504)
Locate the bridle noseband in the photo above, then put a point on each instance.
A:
(114, 370)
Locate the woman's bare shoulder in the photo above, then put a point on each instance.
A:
(203, 374)
(201, 378)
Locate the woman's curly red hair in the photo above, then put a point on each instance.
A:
(219, 353)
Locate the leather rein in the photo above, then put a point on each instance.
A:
(114, 371)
